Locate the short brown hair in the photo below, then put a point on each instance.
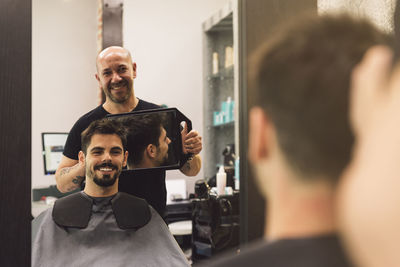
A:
(302, 81)
(103, 126)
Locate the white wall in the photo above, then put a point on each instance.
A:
(165, 39)
(63, 67)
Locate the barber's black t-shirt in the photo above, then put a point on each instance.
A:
(147, 184)
(321, 251)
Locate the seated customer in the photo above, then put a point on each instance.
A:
(300, 139)
(101, 226)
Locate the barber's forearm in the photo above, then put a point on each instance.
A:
(70, 178)
(192, 167)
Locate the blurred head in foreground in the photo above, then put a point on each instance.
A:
(299, 133)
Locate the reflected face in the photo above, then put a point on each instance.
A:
(115, 74)
(162, 149)
(104, 159)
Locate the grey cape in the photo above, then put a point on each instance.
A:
(112, 231)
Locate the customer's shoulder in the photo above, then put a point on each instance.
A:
(250, 255)
(320, 251)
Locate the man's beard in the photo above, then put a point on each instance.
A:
(107, 179)
(123, 83)
(164, 160)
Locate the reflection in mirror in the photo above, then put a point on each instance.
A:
(169, 57)
(154, 138)
(148, 141)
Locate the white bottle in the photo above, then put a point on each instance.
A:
(221, 181)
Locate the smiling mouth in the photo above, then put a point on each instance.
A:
(105, 168)
(118, 86)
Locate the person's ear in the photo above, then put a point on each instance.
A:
(134, 70)
(259, 135)
(151, 151)
(81, 157)
(98, 79)
(125, 158)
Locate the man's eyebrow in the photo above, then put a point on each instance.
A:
(97, 148)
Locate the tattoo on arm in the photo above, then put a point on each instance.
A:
(64, 171)
(70, 189)
(78, 179)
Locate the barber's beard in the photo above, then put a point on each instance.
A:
(106, 180)
(123, 98)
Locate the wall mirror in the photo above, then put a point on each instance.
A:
(173, 53)
(169, 64)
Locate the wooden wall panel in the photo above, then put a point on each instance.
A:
(15, 127)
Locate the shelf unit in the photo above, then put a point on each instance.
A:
(219, 31)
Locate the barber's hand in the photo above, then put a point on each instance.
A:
(191, 142)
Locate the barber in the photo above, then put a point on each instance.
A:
(116, 73)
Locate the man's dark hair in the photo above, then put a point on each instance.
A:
(302, 81)
(103, 126)
(142, 130)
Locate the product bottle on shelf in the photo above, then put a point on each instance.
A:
(221, 181)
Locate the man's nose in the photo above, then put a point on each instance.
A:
(168, 141)
(107, 157)
(116, 78)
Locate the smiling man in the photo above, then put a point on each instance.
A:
(103, 156)
(115, 75)
(101, 226)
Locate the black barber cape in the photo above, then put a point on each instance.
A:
(120, 230)
(314, 251)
